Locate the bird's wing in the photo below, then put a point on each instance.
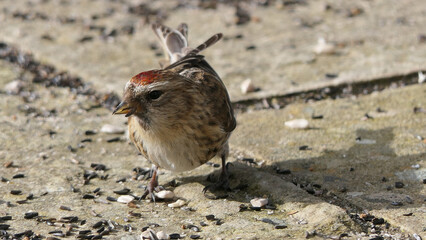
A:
(218, 101)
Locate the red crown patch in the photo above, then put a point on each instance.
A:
(145, 78)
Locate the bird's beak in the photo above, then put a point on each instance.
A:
(124, 108)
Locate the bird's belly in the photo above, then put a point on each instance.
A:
(177, 156)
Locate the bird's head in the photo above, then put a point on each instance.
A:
(156, 97)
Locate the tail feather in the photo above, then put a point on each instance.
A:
(173, 41)
(212, 40)
(175, 44)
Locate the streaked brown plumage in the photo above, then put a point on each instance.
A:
(180, 116)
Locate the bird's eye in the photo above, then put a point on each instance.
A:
(155, 94)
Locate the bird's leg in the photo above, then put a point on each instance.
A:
(223, 182)
(152, 185)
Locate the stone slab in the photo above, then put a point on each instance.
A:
(357, 158)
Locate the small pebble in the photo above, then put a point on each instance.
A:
(297, 124)
(8, 164)
(165, 194)
(396, 203)
(210, 217)
(422, 77)
(112, 129)
(125, 199)
(323, 47)
(415, 166)
(247, 86)
(378, 221)
(178, 203)
(259, 202)
(194, 236)
(14, 87)
(161, 235)
(399, 184)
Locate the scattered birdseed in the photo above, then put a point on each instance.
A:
(195, 236)
(88, 196)
(98, 224)
(97, 190)
(111, 199)
(19, 175)
(378, 221)
(399, 185)
(30, 215)
(5, 218)
(4, 227)
(15, 192)
(115, 139)
(4, 179)
(86, 140)
(317, 117)
(98, 166)
(30, 196)
(304, 147)
(90, 132)
(121, 180)
(174, 236)
(84, 232)
(65, 208)
(68, 219)
(22, 201)
(122, 191)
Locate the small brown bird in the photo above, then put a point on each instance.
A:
(179, 117)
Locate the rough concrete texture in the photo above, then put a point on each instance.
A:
(371, 39)
(356, 173)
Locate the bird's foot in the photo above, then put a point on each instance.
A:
(151, 189)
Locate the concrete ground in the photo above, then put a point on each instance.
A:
(357, 172)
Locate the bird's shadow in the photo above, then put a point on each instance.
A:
(370, 159)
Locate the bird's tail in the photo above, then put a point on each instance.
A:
(173, 41)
